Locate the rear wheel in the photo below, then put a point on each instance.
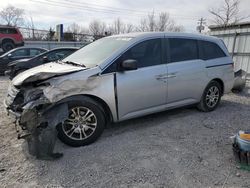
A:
(7, 46)
(211, 97)
(84, 125)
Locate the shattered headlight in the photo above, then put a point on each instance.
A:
(34, 97)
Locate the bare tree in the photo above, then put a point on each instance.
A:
(118, 27)
(151, 22)
(129, 28)
(97, 28)
(142, 27)
(12, 16)
(30, 27)
(164, 22)
(228, 13)
(161, 23)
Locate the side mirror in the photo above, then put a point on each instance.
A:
(129, 64)
(45, 59)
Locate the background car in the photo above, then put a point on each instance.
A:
(18, 66)
(10, 37)
(18, 53)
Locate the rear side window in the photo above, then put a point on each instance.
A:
(34, 52)
(211, 50)
(147, 53)
(59, 54)
(12, 31)
(21, 52)
(3, 30)
(8, 31)
(183, 49)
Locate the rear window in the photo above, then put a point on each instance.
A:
(211, 50)
(183, 49)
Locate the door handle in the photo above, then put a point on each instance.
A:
(165, 76)
(160, 76)
(172, 75)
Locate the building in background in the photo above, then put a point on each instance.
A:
(237, 39)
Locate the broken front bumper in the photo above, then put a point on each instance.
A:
(16, 115)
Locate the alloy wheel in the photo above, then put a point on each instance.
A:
(212, 96)
(81, 123)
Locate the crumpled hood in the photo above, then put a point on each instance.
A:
(43, 72)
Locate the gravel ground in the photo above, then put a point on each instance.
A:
(178, 148)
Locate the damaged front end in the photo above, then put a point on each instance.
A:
(35, 116)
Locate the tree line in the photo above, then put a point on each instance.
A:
(225, 14)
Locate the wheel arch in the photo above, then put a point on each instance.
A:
(8, 40)
(220, 81)
(105, 108)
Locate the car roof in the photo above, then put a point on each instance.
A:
(45, 50)
(30, 48)
(65, 48)
(7, 26)
(167, 34)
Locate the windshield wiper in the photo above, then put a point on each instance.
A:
(73, 63)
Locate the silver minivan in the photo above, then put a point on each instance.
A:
(122, 77)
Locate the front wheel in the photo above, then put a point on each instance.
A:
(84, 125)
(211, 97)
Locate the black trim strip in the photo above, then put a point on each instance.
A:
(219, 65)
(116, 98)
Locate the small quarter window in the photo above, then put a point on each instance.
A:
(211, 50)
(12, 31)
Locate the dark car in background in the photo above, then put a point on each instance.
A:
(16, 54)
(19, 66)
(10, 37)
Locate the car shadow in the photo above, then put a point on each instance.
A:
(109, 143)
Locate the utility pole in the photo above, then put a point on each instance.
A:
(200, 26)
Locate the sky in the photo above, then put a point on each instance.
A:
(49, 13)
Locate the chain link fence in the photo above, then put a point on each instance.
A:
(50, 35)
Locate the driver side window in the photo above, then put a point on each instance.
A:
(147, 53)
(20, 53)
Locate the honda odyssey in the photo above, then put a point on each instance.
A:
(122, 77)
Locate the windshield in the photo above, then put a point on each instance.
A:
(96, 52)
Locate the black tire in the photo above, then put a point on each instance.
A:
(96, 109)
(7, 46)
(205, 104)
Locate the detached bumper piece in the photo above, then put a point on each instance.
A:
(239, 81)
(41, 130)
